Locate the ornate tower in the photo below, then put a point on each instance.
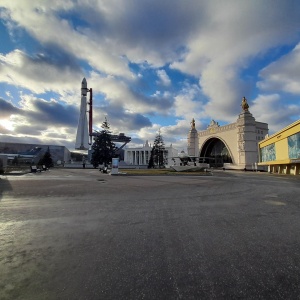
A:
(246, 139)
(193, 141)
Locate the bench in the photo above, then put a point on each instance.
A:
(34, 169)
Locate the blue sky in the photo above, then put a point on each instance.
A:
(152, 65)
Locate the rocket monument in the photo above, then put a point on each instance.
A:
(82, 137)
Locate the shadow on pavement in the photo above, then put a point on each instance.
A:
(4, 187)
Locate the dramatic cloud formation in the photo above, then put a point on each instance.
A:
(283, 74)
(273, 110)
(7, 109)
(38, 74)
(152, 65)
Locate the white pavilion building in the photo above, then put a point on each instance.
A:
(139, 156)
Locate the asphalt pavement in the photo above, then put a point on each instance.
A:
(81, 234)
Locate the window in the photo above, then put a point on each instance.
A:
(268, 153)
(294, 146)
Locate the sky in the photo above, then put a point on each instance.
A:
(153, 65)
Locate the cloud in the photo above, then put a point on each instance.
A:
(29, 130)
(40, 73)
(36, 17)
(123, 121)
(28, 139)
(118, 92)
(181, 128)
(7, 109)
(220, 49)
(188, 102)
(283, 74)
(51, 112)
(9, 138)
(48, 120)
(211, 40)
(140, 28)
(4, 130)
(116, 45)
(164, 79)
(55, 113)
(272, 110)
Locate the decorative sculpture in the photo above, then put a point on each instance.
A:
(193, 124)
(244, 104)
(213, 123)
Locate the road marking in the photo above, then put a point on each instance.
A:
(279, 203)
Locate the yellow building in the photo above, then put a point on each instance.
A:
(281, 151)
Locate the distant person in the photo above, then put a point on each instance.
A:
(83, 163)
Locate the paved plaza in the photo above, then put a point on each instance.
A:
(81, 234)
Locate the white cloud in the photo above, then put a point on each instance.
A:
(283, 74)
(171, 135)
(223, 46)
(272, 110)
(41, 22)
(8, 94)
(188, 103)
(37, 74)
(118, 93)
(164, 79)
(211, 40)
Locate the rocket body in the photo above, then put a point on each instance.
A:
(82, 137)
(83, 87)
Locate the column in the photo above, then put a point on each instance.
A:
(147, 157)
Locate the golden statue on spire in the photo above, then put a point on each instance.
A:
(245, 104)
(193, 124)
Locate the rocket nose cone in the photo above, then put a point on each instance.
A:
(83, 83)
(83, 87)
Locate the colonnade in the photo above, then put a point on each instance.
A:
(137, 157)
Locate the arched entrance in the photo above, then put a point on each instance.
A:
(215, 153)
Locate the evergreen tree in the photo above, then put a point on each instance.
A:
(151, 161)
(1, 166)
(15, 161)
(158, 153)
(46, 159)
(103, 149)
